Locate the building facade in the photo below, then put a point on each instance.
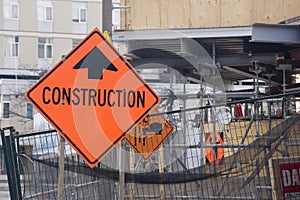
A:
(34, 34)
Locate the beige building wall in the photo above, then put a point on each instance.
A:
(27, 22)
(28, 53)
(19, 120)
(160, 14)
(1, 16)
(2, 44)
(62, 18)
(94, 15)
(62, 46)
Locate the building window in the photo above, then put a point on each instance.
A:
(15, 46)
(14, 11)
(44, 10)
(5, 107)
(45, 48)
(48, 13)
(116, 19)
(45, 13)
(82, 15)
(29, 111)
(79, 15)
(11, 9)
(6, 110)
(12, 46)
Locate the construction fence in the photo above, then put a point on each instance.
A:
(242, 149)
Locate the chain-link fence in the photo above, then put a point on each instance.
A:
(246, 149)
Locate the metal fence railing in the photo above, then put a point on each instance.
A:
(245, 149)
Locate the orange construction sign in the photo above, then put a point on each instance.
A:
(149, 134)
(92, 97)
(214, 155)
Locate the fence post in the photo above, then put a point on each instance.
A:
(122, 170)
(12, 167)
(61, 167)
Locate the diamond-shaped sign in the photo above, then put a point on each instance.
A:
(149, 134)
(92, 97)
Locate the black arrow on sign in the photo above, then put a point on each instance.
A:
(96, 63)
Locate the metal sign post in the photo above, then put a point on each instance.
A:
(61, 161)
(122, 158)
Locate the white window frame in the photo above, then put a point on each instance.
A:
(45, 12)
(45, 47)
(85, 17)
(11, 11)
(2, 110)
(14, 46)
(80, 20)
(116, 18)
(12, 49)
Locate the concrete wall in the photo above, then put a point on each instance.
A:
(157, 14)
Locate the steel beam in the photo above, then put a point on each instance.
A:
(182, 33)
(247, 74)
(276, 33)
(245, 60)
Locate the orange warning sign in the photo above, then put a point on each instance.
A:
(92, 97)
(149, 134)
(214, 155)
